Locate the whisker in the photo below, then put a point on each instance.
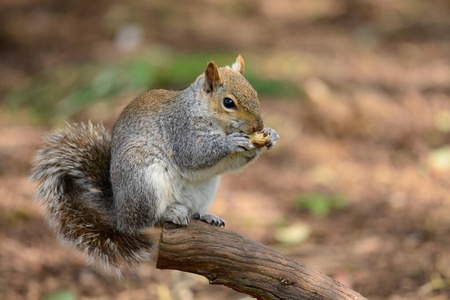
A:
(271, 112)
(265, 115)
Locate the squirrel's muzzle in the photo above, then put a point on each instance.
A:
(258, 125)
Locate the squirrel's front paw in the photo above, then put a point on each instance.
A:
(210, 219)
(177, 214)
(240, 142)
(273, 137)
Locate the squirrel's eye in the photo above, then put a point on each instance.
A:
(229, 103)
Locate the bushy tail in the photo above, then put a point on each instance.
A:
(72, 171)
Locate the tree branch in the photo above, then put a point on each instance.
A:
(224, 257)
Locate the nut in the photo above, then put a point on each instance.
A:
(258, 139)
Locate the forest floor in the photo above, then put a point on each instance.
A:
(357, 188)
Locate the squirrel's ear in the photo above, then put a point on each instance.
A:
(239, 65)
(212, 76)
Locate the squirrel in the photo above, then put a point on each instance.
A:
(162, 163)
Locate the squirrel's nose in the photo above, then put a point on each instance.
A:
(258, 126)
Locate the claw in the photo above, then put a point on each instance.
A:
(273, 138)
(177, 214)
(213, 220)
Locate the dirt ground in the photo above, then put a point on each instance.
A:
(358, 186)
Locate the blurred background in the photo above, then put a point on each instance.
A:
(357, 188)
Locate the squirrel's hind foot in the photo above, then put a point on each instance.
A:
(177, 214)
(210, 219)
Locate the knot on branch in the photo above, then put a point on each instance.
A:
(212, 277)
(286, 281)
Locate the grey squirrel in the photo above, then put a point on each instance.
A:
(161, 164)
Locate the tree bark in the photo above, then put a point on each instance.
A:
(225, 257)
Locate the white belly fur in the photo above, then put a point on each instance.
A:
(159, 180)
(170, 187)
(199, 196)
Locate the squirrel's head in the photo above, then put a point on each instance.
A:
(232, 99)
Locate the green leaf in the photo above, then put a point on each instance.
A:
(320, 205)
(60, 295)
